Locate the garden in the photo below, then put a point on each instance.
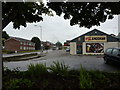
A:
(58, 76)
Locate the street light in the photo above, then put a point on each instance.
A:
(40, 35)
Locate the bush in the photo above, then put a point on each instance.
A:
(18, 83)
(99, 76)
(37, 70)
(59, 68)
(85, 79)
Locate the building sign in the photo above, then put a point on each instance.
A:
(96, 38)
(94, 47)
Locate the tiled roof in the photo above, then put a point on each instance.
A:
(21, 39)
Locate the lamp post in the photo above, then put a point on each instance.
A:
(40, 35)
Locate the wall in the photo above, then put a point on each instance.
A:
(111, 44)
(73, 48)
(100, 43)
(106, 45)
(12, 45)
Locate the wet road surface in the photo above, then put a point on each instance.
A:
(73, 61)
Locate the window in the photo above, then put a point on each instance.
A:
(24, 48)
(21, 47)
(79, 39)
(115, 52)
(29, 43)
(20, 42)
(108, 51)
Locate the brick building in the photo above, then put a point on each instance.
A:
(18, 44)
(48, 45)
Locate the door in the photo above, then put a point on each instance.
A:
(79, 48)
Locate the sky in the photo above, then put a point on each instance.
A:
(55, 28)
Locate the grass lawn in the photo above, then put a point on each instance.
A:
(9, 52)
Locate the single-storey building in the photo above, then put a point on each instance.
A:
(93, 42)
(18, 44)
(67, 44)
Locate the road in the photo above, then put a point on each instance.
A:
(73, 61)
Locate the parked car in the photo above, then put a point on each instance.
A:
(112, 54)
(68, 50)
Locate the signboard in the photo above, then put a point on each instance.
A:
(96, 38)
(94, 47)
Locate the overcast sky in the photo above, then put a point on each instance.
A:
(55, 28)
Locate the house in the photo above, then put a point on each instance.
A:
(67, 44)
(93, 42)
(18, 44)
(47, 45)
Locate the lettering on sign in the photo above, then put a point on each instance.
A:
(95, 38)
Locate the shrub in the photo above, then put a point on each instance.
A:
(85, 79)
(18, 83)
(37, 70)
(99, 76)
(59, 68)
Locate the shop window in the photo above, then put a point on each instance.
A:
(94, 47)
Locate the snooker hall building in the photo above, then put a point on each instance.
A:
(93, 42)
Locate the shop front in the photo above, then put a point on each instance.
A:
(93, 42)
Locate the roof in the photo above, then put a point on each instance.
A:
(94, 30)
(20, 39)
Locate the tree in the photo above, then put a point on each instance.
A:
(5, 36)
(37, 42)
(59, 45)
(21, 13)
(86, 14)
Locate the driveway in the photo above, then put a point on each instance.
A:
(74, 61)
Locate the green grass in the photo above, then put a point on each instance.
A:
(85, 79)
(25, 51)
(28, 51)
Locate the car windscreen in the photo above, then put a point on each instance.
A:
(108, 51)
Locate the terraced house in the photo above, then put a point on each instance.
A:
(18, 44)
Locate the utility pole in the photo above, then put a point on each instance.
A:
(40, 36)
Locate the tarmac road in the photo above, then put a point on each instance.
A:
(73, 61)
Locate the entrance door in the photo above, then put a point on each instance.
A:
(79, 48)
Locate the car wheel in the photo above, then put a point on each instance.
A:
(106, 61)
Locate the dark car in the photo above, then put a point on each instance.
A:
(112, 54)
(67, 50)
